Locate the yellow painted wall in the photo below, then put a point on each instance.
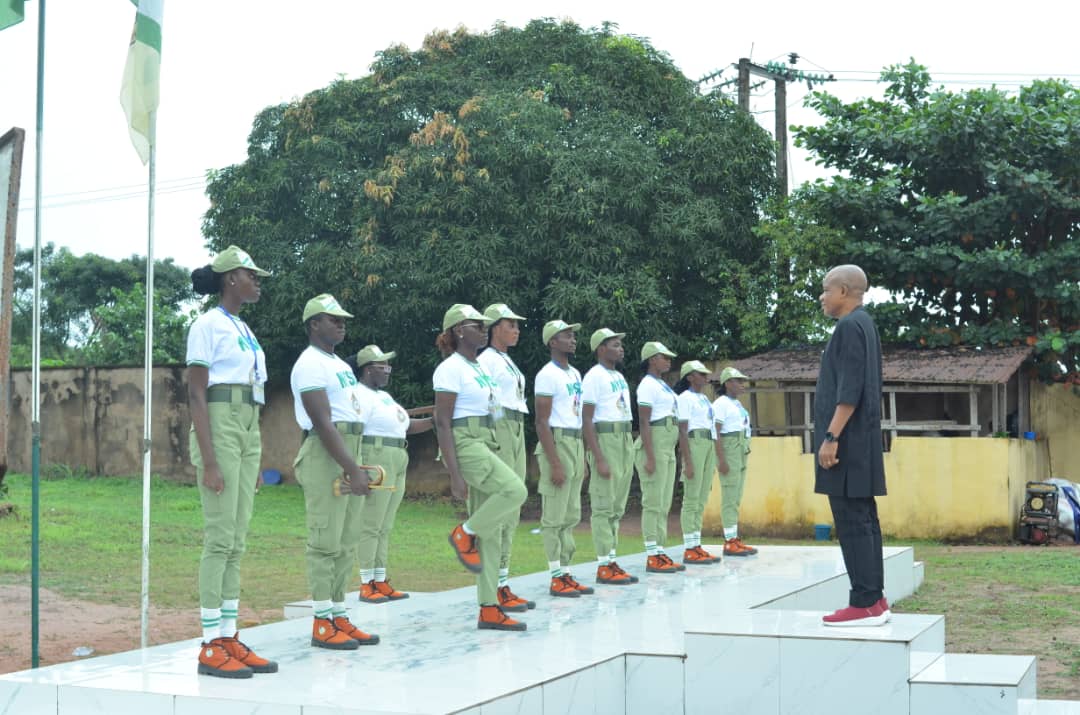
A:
(1055, 416)
(954, 488)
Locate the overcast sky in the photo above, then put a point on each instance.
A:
(224, 60)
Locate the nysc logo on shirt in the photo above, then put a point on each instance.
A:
(242, 341)
(619, 385)
(346, 378)
(485, 381)
(573, 389)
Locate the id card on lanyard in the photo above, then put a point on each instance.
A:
(258, 392)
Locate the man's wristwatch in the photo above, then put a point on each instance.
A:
(830, 437)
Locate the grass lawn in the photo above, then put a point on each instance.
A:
(996, 599)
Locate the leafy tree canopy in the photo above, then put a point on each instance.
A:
(569, 173)
(79, 294)
(965, 205)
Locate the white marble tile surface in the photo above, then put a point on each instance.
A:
(977, 669)
(27, 698)
(932, 698)
(654, 684)
(573, 694)
(433, 656)
(843, 677)
(1027, 706)
(187, 705)
(742, 672)
(526, 702)
(99, 701)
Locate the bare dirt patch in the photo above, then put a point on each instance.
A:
(65, 624)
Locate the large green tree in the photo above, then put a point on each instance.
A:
(965, 205)
(79, 294)
(570, 173)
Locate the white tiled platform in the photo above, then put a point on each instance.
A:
(649, 648)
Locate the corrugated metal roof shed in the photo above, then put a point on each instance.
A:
(945, 366)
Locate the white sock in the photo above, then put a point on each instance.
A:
(555, 569)
(322, 608)
(688, 541)
(611, 556)
(651, 548)
(380, 574)
(230, 608)
(504, 577)
(697, 538)
(732, 533)
(211, 623)
(367, 575)
(604, 560)
(338, 609)
(467, 529)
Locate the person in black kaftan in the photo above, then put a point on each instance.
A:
(850, 467)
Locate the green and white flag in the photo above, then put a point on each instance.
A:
(142, 74)
(11, 13)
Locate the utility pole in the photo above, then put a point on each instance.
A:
(781, 74)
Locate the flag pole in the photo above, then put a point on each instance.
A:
(35, 372)
(148, 379)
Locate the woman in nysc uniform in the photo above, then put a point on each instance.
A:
(509, 430)
(732, 450)
(697, 442)
(332, 416)
(226, 378)
(465, 408)
(385, 427)
(658, 432)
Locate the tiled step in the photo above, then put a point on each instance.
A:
(919, 574)
(991, 684)
(789, 662)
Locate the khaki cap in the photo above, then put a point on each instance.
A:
(601, 335)
(654, 348)
(460, 312)
(373, 353)
(693, 366)
(730, 373)
(324, 303)
(232, 258)
(499, 311)
(554, 327)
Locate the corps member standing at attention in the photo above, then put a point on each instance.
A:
(697, 443)
(732, 452)
(385, 427)
(560, 453)
(607, 425)
(226, 377)
(658, 432)
(509, 430)
(465, 410)
(329, 410)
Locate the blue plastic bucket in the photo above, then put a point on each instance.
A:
(822, 532)
(271, 476)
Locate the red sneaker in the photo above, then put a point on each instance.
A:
(853, 617)
(369, 593)
(735, 547)
(697, 556)
(464, 546)
(344, 625)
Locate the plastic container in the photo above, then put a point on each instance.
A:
(1029, 435)
(271, 476)
(822, 532)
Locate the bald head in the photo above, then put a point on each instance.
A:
(850, 277)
